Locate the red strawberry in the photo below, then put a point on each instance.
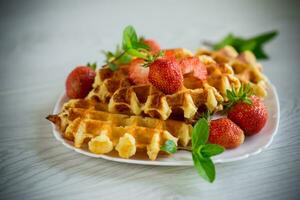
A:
(250, 117)
(79, 82)
(154, 46)
(193, 65)
(225, 133)
(137, 73)
(165, 74)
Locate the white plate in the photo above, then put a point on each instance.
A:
(252, 145)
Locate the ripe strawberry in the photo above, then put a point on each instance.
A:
(79, 82)
(154, 46)
(165, 74)
(226, 133)
(137, 73)
(250, 117)
(193, 65)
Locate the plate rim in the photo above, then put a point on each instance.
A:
(59, 137)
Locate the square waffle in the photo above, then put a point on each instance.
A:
(84, 122)
(115, 89)
(245, 67)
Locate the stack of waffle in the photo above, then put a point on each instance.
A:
(118, 115)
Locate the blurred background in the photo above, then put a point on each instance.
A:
(42, 41)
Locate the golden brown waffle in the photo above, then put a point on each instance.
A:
(82, 121)
(226, 71)
(114, 114)
(244, 67)
(115, 89)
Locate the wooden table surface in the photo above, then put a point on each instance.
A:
(41, 41)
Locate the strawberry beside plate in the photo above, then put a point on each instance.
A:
(252, 145)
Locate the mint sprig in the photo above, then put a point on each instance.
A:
(131, 40)
(254, 44)
(132, 47)
(201, 151)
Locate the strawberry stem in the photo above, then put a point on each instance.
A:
(242, 95)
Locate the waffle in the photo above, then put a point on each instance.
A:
(245, 67)
(118, 115)
(115, 89)
(85, 122)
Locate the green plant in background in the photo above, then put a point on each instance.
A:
(254, 44)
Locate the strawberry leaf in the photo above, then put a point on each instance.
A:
(93, 66)
(238, 96)
(247, 101)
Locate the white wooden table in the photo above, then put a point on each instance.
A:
(40, 42)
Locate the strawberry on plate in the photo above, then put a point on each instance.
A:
(247, 110)
(250, 117)
(194, 66)
(137, 73)
(79, 82)
(226, 133)
(165, 74)
(153, 45)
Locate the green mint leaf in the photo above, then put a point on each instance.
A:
(112, 66)
(201, 152)
(124, 59)
(209, 150)
(247, 45)
(169, 147)
(136, 53)
(204, 166)
(129, 38)
(140, 45)
(108, 54)
(260, 53)
(254, 44)
(200, 133)
(265, 37)
(93, 66)
(228, 40)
